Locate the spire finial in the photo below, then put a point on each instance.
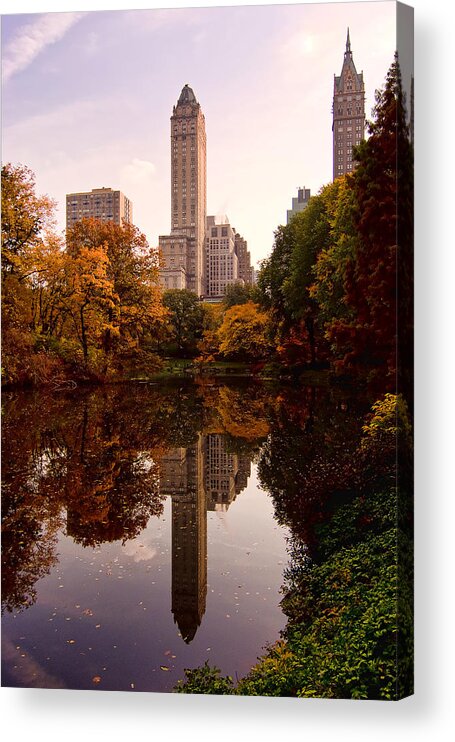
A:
(348, 43)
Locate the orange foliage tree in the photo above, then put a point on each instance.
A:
(244, 333)
(25, 219)
(134, 311)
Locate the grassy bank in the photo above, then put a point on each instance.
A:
(349, 632)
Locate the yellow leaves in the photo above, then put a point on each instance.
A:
(244, 332)
(25, 216)
(242, 418)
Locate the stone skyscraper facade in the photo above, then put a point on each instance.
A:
(348, 113)
(183, 250)
(246, 270)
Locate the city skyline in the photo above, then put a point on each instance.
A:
(104, 120)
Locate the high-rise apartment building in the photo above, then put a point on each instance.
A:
(348, 113)
(245, 269)
(99, 203)
(221, 261)
(182, 252)
(298, 204)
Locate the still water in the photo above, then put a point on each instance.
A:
(142, 529)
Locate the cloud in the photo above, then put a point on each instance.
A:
(139, 551)
(33, 38)
(138, 170)
(25, 670)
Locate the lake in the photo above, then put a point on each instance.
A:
(146, 528)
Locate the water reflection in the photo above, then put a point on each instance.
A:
(199, 478)
(100, 465)
(104, 467)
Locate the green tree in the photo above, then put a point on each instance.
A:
(185, 319)
(286, 281)
(239, 293)
(209, 344)
(274, 272)
(311, 235)
(329, 270)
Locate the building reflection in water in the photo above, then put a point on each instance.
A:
(199, 478)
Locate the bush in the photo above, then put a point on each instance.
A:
(206, 680)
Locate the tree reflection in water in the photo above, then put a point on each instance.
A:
(89, 462)
(93, 462)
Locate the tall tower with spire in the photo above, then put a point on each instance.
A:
(183, 250)
(348, 110)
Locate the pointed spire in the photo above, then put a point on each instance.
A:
(348, 43)
(187, 95)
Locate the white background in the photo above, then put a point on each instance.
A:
(80, 715)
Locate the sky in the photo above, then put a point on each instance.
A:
(87, 97)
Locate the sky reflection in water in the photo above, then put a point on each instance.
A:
(129, 555)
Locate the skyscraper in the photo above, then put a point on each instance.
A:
(246, 270)
(99, 203)
(298, 204)
(221, 261)
(348, 113)
(183, 250)
(202, 477)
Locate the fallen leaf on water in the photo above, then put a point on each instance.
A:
(71, 641)
(163, 667)
(96, 679)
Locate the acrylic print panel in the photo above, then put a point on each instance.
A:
(207, 220)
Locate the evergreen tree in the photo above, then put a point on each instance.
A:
(379, 277)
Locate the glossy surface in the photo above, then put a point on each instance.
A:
(143, 526)
(128, 555)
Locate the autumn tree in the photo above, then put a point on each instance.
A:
(89, 296)
(26, 223)
(25, 217)
(134, 310)
(48, 287)
(244, 333)
(381, 270)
